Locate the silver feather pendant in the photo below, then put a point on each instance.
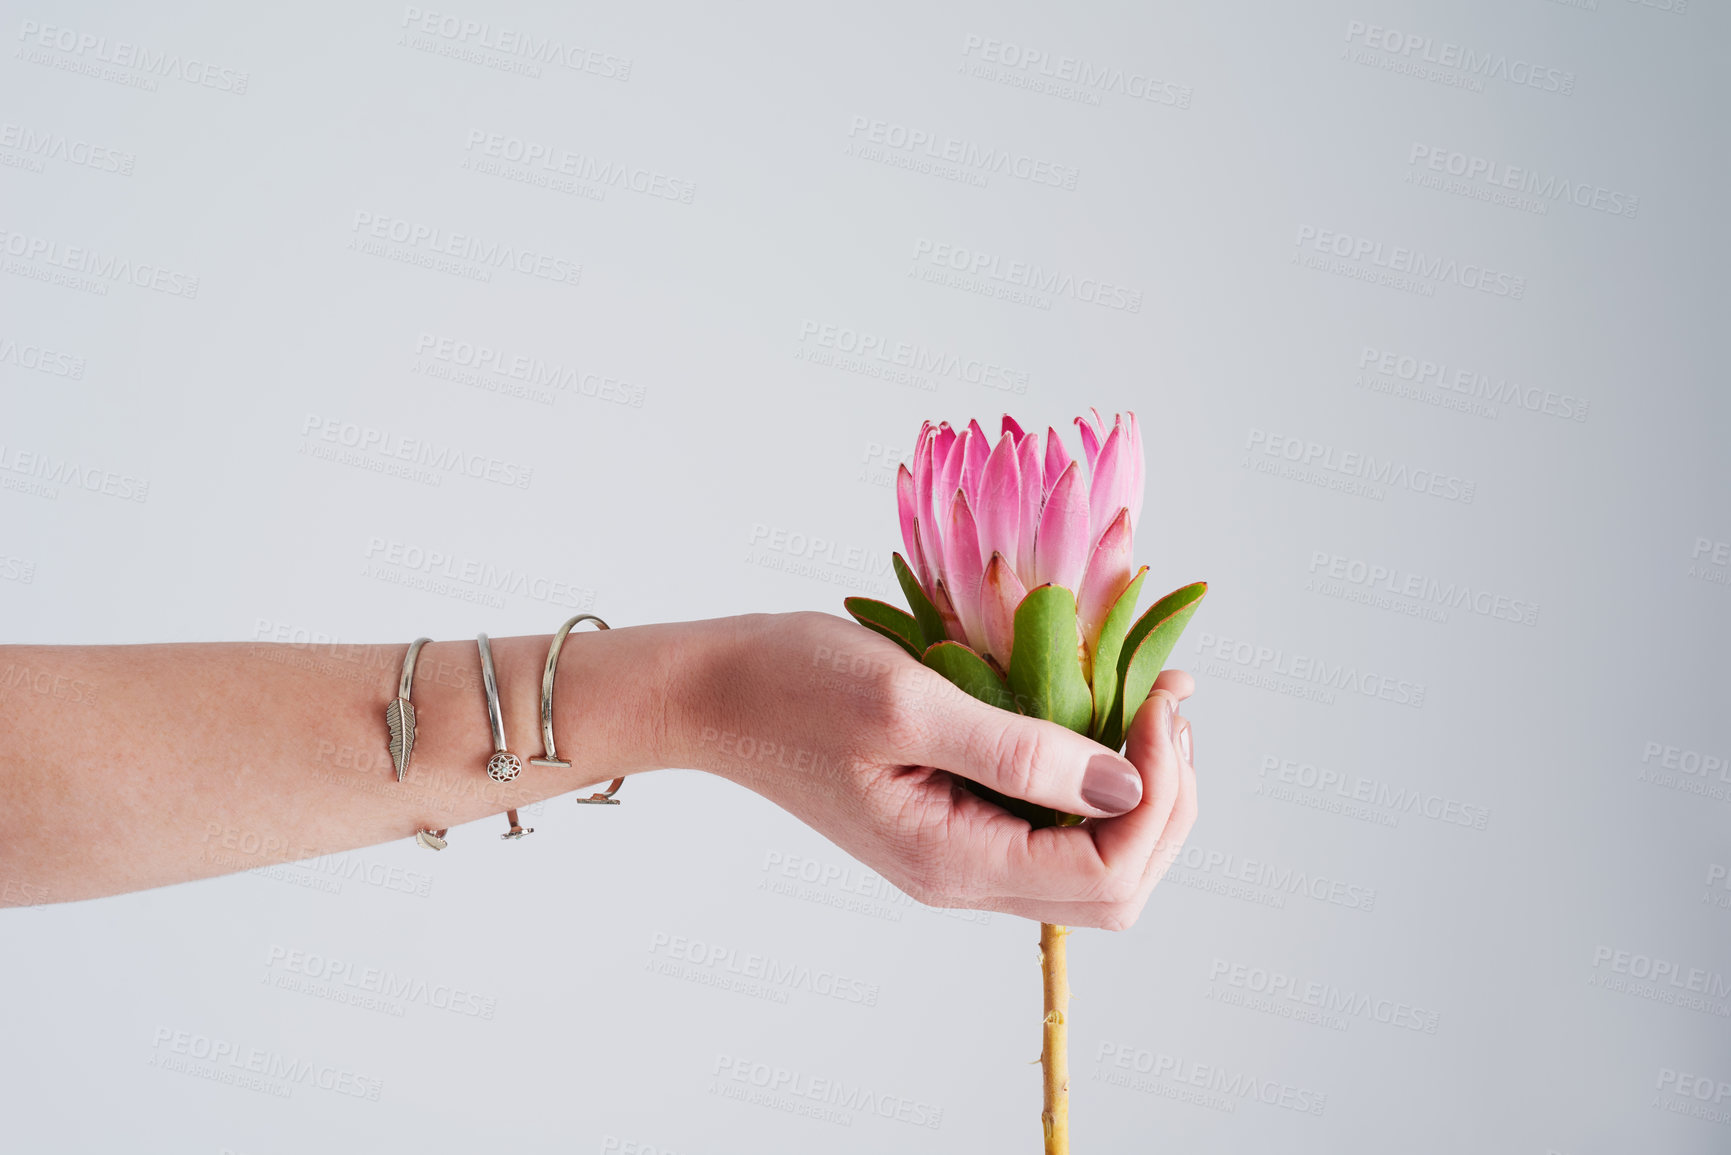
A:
(400, 717)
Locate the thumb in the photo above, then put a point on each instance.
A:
(1028, 758)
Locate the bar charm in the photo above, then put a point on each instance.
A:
(503, 766)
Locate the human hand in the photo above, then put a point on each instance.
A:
(841, 728)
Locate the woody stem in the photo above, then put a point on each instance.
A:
(1054, 1053)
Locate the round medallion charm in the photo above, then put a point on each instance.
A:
(504, 766)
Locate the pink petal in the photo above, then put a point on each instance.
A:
(963, 569)
(1061, 546)
(1139, 470)
(943, 444)
(1010, 426)
(946, 437)
(947, 611)
(1033, 498)
(922, 566)
(1109, 490)
(1002, 592)
(925, 465)
(923, 468)
(1090, 441)
(1057, 457)
(949, 477)
(1108, 574)
(975, 450)
(906, 507)
(999, 508)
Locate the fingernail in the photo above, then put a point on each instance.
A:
(1111, 784)
(1184, 740)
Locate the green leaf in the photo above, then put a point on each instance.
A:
(962, 667)
(1032, 813)
(1145, 651)
(1045, 662)
(1106, 652)
(895, 624)
(931, 622)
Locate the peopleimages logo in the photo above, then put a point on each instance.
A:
(1470, 383)
(87, 46)
(1710, 560)
(1336, 791)
(912, 356)
(1234, 1086)
(1411, 47)
(965, 154)
(1702, 1087)
(1070, 77)
(1686, 761)
(1260, 665)
(17, 569)
(1360, 468)
(394, 447)
(47, 683)
(802, 1089)
(776, 975)
(557, 161)
(95, 263)
(348, 975)
(811, 547)
(417, 237)
(230, 1062)
(1375, 577)
(1496, 175)
(1226, 865)
(440, 569)
(45, 145)
(508, 41)
(536, 374)
(40, 359)
(1678, 976)
(1325, 997)
(1021, 275)
(1398, 261)
(72, 474)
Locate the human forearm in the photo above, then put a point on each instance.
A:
(175, 762)
(125, 767)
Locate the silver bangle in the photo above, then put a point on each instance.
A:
(400, 715)
(400, 720)
(551, 757)
(503, 766)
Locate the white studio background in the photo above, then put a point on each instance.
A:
(1422, 307)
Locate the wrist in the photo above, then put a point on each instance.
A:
(614, 708)
(748, 691)
(638, 697)
(698, 662)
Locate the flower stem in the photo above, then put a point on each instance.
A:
(1054, 1050)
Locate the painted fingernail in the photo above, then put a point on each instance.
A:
(1183, 740)
(1111, 784)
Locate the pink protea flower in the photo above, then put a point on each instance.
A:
(1018, 573)
(1021, 593)
(984, 523)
